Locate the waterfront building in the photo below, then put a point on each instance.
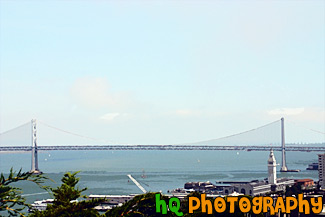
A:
(202, 187)
(321, 170)
(257, 187)
(305, 182)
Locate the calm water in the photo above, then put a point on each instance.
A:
(104, 172)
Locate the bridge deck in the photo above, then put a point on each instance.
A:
(162, 147)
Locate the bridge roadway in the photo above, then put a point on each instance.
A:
(162, 147)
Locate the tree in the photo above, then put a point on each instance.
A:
(11, 200)
(65, 200)
(293, 190)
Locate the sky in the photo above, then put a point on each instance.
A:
(163, 72)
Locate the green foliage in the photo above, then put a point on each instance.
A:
(293, 190)
(68, 191)
(65, 203)
(11, 200)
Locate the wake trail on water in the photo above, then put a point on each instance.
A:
(26, 195)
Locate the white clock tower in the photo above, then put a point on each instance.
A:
(271, 164)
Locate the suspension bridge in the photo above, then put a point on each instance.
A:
(245, 141)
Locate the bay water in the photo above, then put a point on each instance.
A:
(105, 172)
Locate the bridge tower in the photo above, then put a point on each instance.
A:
(34, 167)
(284, 164)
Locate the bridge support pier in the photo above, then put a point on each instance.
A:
(284, 164)
(34, 166)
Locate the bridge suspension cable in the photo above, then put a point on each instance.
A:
(299, 125)
(299, 134)
(263, 135)
(101, 141)
(20, 135)
(68, 132)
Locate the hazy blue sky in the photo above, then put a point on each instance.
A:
(163, 71)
